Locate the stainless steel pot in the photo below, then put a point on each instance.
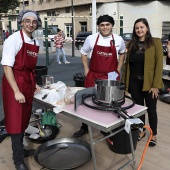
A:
(47, 80)
(109, 90)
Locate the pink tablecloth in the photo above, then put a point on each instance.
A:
(102, 118)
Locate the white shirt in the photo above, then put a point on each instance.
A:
(103, 41)
(11, 47)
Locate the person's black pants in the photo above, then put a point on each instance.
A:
(144, 98)
(84, 127)
(18, 148)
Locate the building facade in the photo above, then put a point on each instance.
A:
(59, 14)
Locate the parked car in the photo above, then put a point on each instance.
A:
(164, 40)
(40, 32)
(127, 37)
(81, 38)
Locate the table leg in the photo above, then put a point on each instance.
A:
(133, 153)
(132, 149)
(92, 148)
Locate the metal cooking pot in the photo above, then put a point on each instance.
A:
(109, 90)
(63, 153)
(47, 80)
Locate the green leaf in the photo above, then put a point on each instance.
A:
(6, 5)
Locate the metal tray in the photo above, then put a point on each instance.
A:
(63, 153)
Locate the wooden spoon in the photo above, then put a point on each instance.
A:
(41, 133)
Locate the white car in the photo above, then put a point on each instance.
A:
(40, 34)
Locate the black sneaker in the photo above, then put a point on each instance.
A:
(21, 166)
(80, 133)
(152, 143)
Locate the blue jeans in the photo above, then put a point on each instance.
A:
(58, 50)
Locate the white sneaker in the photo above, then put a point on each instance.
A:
(67, 62)
(59, 62)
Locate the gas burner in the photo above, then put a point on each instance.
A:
(114, 106)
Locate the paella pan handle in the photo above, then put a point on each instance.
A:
(122, 113)
(59, 146)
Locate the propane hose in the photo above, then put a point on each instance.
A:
(146, 146)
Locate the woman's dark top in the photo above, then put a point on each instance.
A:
(136, 60)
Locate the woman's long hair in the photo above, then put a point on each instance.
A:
(133, 44)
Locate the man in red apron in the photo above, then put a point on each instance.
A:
(18, 83)
(104, 63)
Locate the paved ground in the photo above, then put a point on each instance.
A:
(62, 72)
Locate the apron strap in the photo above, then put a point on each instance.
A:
(22, 36)
(97, 40)
(112, 43)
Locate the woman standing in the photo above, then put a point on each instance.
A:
(59, 40)
(143, 72)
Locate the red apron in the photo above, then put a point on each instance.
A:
(17, 115)
(103, 61)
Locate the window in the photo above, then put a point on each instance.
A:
(67, 9)
(165, 27)
(26, 3)
(83, 26)
(68, 28)
(51, 13)
(13, 18)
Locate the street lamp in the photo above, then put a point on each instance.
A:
(17, 11)
(23, 4)
(46, 39)
(93, 16)
(72, 9)
(9, 20)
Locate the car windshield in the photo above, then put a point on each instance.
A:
(50, 31)
(84, 34)
(127, 35)
(164, 37)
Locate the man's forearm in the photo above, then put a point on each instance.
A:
(10, 78)
(85, 63)
(120, 62)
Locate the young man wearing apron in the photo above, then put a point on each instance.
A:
(19, 59)
(104, 63)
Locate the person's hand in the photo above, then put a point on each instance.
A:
(86, 71)
(37, 88)
(19, 97)
(154, 91)
(127, 94)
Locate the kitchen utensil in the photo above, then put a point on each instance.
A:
(45, 96)
(57, 148)
(50, 134)
(63, 153)
(34, 136)
(31, 130)
(47, 80)
(41, 133)
(109, 90)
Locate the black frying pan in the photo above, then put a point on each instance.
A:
(63, 153)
